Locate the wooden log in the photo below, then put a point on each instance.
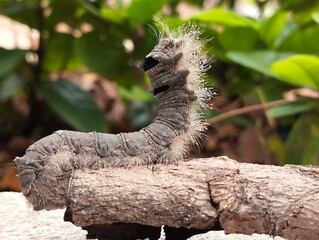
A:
(243, 198)
(201, 193)
(167, 195)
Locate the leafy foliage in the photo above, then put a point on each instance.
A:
(64, 97)
(258, 58)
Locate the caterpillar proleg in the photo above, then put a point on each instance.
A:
(175, 67)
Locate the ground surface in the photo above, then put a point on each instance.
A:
(19, 221)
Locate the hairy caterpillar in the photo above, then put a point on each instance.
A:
(175, 67)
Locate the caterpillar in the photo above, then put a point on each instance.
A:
(175, 67)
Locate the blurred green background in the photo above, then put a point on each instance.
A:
(74, 65)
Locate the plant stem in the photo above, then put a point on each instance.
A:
(248, 109)
(36, 71)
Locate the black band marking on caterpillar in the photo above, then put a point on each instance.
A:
(160, 89)
(148, 63)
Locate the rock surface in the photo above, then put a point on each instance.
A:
(220, 235)
(19, 221)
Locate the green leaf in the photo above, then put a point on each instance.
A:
(300, 70)
(302, 12)
(8, 86)
(303, 40)
(289, 109)
(113, 15)
(144, 10)
(136, 93)
(302, 143)
(225, 18)
(102, 53)
(89, 7)
(60, 53)
(9, 7)
(9, 60)
(140, 114)
(213, 47)
(315, 17)
(245, 39)
(172, 21)
(258, 60)
(21, 11)
(268, 91)
(272, 27)
(73, 105)
(289, 28)
(57, 14)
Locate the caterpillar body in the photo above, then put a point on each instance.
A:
(175, 67)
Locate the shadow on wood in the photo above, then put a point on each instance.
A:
(128, 231)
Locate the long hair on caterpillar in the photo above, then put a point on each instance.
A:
(176, 67)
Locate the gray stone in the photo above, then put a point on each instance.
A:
(220, 235)
(20, 222)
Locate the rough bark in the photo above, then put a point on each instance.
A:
(242, 198)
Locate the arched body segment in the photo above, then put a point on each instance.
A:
(175, 68)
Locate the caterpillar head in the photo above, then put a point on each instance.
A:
(179, 60)
(162, 62)
(162, 58)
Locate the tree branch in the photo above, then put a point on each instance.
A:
(247, 109)
(201, 193)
